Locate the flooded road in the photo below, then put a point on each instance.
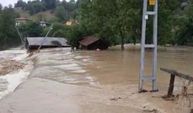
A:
(63, 81)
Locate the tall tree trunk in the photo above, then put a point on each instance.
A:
(122, 42)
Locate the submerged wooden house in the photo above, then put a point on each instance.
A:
(93, 43)
(45, 42)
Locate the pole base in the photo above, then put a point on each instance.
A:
(145, 91)
(154, 91)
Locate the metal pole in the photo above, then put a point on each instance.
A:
(153, 46)
(155, 33)
(142, 46)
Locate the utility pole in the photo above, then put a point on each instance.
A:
(43, 40)
(146, 13)
(19, 33)
(20, 36)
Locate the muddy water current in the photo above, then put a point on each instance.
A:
(107, 67)
(122, 67)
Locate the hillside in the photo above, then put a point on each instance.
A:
(45, 15)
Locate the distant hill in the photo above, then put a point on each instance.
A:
(49, 10)
(45, 15)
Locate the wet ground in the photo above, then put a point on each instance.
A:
(95, 82)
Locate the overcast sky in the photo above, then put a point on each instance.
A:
(7, 2)
(12, 2)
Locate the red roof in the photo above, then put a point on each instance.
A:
(88, 40)
(22, 18)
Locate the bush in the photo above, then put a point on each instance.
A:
(31, 29)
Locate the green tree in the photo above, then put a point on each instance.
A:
(7, 28)
(184, 34)
(122, 19)
(21, 3)
(35, 7)
(1, 8)
(110, 19)
(31, 29)
(50, 4)
(96, 17)
(128, 19)
(61, 13)
(71, 8)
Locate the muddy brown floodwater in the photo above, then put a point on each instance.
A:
(98, 82)
(122, 67)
